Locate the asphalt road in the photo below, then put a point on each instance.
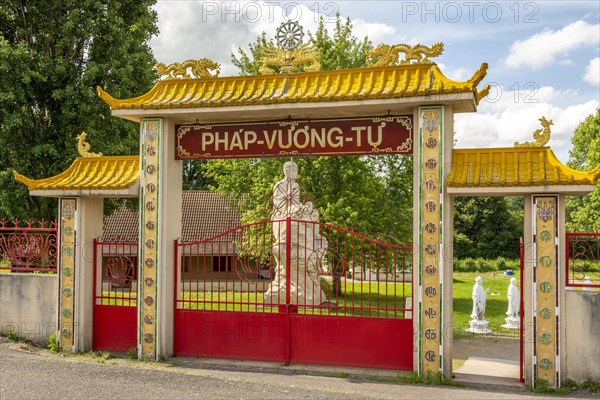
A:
(31, 373)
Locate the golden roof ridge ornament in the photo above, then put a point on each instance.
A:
(388, 55)
(197, 69)
(541, 136)
(84, 147)
(291, 55)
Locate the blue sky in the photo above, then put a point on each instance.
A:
(544, 56)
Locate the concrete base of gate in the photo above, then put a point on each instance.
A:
(492, 371)
(261, 366)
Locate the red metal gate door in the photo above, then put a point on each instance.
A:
(115, 296)
(295, 291)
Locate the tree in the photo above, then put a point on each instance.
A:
(370, 195)
(341, 51)
(486, 227)
(52, 57)
(583, 213)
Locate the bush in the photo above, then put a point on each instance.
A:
(501, 264)
(53, 344)
(485, 265)
(470, 265)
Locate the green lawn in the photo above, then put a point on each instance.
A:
(364, 298)
(367, 299)
(497, 302)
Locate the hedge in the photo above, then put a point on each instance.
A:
(485, 265)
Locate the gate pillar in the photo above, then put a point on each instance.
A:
(544, 266)
(80, 222)
(160, 225)
(433, 225)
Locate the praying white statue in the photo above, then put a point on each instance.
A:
(286, 193)
(478, 323)
(307, 246)
(479, 299)
(514, 299)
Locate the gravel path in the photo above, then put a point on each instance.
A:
(31, 373)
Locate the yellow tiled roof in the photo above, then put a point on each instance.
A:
(403, 80)
(501, 167)
(90, 173)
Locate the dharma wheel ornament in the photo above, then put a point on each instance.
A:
(290, 55)
(289, 35)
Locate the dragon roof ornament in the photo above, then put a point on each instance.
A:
(189, 69)
(291, 55)
(388, 55)
(541, 136)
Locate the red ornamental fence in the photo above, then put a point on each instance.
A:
(583, 260)
(28, 246)
(330, 271)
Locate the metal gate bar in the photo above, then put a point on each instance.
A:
(115, 295)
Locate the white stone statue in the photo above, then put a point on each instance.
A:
(514, 299)
(587, 281)
(478, 323)
(307, 245)
(479, 299)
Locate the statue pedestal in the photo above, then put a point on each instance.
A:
(512, 323)
(479, 326)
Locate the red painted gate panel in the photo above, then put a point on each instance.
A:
(234, 335)
(353, 342)
(238, 296)
(115, 296)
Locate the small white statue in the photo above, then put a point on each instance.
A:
(587, 281)
(514, 299)
(479, 299)
(478, 323)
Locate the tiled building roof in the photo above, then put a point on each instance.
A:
(204, 215)
(404, 80)
(122, 225)
(89, 175)
(509, 167)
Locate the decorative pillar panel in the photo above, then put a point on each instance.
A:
(430, 241)
(545, 287)
(66, 270)
(149, 237)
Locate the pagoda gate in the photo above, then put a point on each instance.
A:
(394, 105)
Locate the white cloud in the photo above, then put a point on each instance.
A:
(192, 30)
(459, 74)
(592, 72)
(548, 47)
(376, 32)
(505, 121)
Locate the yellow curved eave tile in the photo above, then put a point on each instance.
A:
(398, 81)
(502, 167)
(98, 173)
(582, 177)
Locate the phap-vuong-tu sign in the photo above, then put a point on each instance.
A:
(324, 137)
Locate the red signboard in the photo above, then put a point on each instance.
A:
(325, 137)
